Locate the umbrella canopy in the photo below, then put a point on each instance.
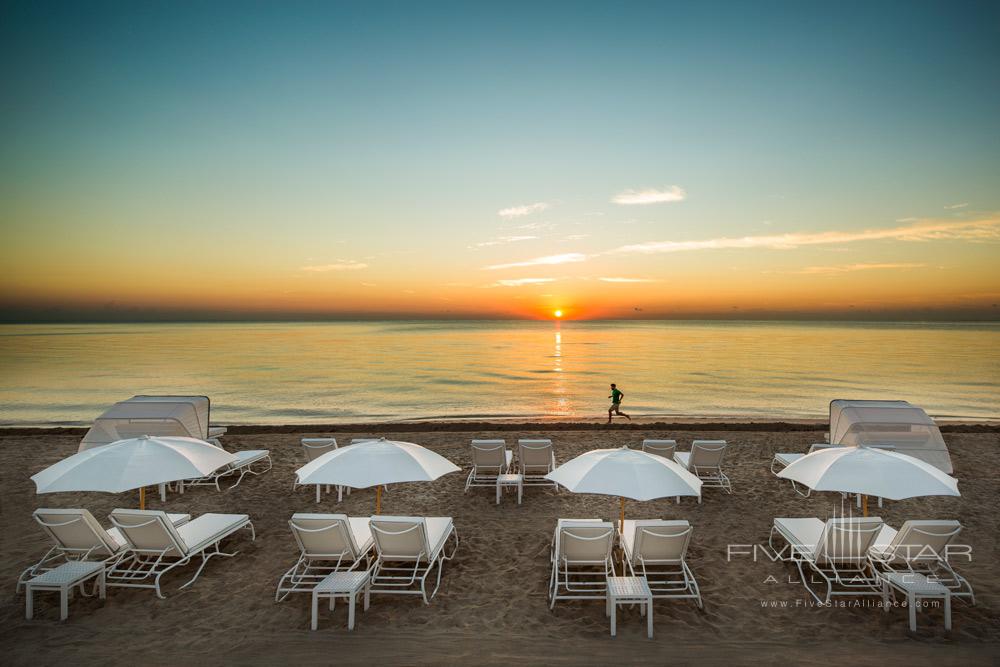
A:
(132, 464)
(870, 471)
(626, 473)
(376, 462)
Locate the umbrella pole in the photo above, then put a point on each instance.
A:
(378, 499)
(142, 497)
(864, 505)
(621, 518)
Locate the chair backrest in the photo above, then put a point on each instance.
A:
(584, 541)
(923, 541)
(707, 453)
(400, 537)
(664, 448)
(317, 447)
(149, 531)
(847, 539)
(658, 541)
(489, 454)
(75, 531)
(355, 441)
(324, 535)
(536, 456)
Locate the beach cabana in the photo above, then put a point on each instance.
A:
(907, 428)
(172, 416)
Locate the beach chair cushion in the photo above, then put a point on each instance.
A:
(787, 458)
(249, 456)
(433, 532)
(813, 538)
(630, 532)
(209, 529)
(915, 540)
(80, 532)
(359, 535)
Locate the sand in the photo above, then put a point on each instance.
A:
(492, 605)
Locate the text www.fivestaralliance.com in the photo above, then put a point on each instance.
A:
(843, 604)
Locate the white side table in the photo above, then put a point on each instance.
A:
(510, 480)
(341, 585)
(916, 587)
(63, 579)
(630, 590)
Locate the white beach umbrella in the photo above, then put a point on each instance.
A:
(870, 471)
(626, 473)
(130, 464)
(375, 463)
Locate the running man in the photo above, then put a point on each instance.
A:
(616, 403)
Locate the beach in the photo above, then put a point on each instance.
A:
(492, 606)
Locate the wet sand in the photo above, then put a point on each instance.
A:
(492, 606)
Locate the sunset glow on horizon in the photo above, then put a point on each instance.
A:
(506, 162)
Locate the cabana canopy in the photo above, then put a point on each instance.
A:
(904, 426)
(178, 416)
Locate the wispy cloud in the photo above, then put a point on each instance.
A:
(926, 230)
(953, 206)
(501, 240)
(521, 211)
(650, 196)
(851, 268)
(339, 265)
(564, 258)
(521, 282)
(629, 280)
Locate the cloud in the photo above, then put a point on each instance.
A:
(953, 206)
(565, 258)
(851, 268)
(521, 282)
(520, 211)
(925, 230)
(629, 280)
(500, 240)
(339, 265)
(650, 196)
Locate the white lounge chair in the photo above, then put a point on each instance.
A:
(535, 459)
(705, 462)
(922, 547)
(490, 459)
(77, 536)
(315, 448)
(581, 560)
(242, 466)
(155, 547)
(327, 543)
(835, 551)
(657, 549)
(407, 550)
(664, 448)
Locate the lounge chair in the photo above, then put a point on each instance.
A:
(242, 466)
(155, 547)
(581, 560)
(407, 550)
(656, 549)
(327, 543)
(705, 462)
(315, 448)
(536, 459)
(77, 536)
(490, 458)
(835, 551)
(922, 547)
(664, 448)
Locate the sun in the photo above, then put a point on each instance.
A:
(557, 313)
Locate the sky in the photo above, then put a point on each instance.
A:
(226, 160)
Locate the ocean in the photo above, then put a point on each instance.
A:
(287, 373)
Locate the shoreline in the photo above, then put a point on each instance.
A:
(731, 424)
